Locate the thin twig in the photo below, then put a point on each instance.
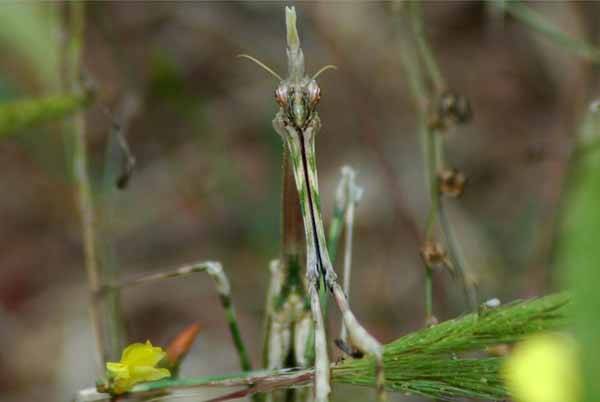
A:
(216, 272)
(416, 84)
(118, 163)
(540, 24)
(425, 51)
(73, 68)
(433, 148)
(347, 196)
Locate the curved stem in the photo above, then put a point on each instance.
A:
(216, 272)
(431, 66)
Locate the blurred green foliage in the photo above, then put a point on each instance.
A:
(579, 253)
(31, 31)
(21, 114)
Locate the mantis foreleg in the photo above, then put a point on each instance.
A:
(301, 147)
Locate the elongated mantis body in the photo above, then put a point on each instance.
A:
(297, 122)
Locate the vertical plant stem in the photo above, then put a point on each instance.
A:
(73, 55)
(428, 294)
(433, 147)
(335, 230)
(117, 151)
(416, 83)
(431, 65)
(347, 196)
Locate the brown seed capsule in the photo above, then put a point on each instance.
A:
(451, 182)
(450, 109)
(434, 255)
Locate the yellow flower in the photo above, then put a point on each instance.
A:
(137, 364)
(544, 368)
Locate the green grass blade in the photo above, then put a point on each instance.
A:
(539, 23)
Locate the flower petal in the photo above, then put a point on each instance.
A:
(136, 365)
(142, 354)
(117, 370)
(147, 373)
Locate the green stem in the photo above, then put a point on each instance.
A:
(80, 171)
(335, 231)
(428, 294)
(432, 144)
(415, 80)
(115, 325)
(216, 272)
(431, 66)
(540, 24)
(431, 141)
(236, 335)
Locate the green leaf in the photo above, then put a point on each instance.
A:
(22, 114)
(579, 254)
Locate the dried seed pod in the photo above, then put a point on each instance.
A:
(434, 255)
(450, 109)
(451, 182)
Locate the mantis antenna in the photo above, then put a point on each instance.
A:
(261, 64)
(323, 69)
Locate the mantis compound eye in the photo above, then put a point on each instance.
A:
(314, 93)
(281, 96)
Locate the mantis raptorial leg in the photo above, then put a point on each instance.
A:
(298, 123)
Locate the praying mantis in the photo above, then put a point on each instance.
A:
(297, 123)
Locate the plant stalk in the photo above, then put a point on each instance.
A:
(83, 188)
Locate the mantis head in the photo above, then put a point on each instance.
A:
(298, 100)
(298, 94)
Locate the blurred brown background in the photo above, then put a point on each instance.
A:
(207, 182)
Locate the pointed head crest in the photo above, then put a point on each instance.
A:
(298, 94)
(294, 51)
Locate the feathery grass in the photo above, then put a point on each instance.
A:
(426, 362)
(443, 361)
